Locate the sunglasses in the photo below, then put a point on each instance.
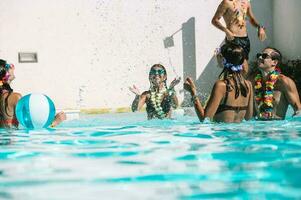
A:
(263, 56)
(157, 72)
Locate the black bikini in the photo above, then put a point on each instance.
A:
(223, 107)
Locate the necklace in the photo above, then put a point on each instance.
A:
(156, 100)
(264, 93)
(240, 10)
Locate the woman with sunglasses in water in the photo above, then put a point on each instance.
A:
(159, 99)
(9, 99)
(231, 98)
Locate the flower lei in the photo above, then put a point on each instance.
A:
(264, 95)
(156, 100)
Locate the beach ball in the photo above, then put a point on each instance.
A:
(35, 111)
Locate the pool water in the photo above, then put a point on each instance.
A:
(124, 156)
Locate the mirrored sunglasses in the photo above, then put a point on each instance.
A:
(157, 72)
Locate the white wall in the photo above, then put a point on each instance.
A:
(263, 11)
(287, 29)
(103, 46)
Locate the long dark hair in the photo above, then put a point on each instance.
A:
(160, 66)
(233, 59)
(5, 87)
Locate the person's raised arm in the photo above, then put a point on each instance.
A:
(217, 94)
(254, 22)
(139, 101)
(221, 10)
(172, 92)
(191, 88)
(214, 100)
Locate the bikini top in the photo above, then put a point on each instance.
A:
(223, 107)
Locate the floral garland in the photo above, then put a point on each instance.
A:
(156, 100)
(264, 95)
(234, 68)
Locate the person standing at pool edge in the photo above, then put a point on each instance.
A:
(9, 99)
(159, 98)
(231, 99)
(273, 90)
(235, 13)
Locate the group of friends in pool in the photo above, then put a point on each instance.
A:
(237, 95)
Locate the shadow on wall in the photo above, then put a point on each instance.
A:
(206, 80)
(209, 75)
(189, 54)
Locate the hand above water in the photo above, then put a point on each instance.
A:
(135, 90)
(59, 118)
(174, 82)
(190, 86)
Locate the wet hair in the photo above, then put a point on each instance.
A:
(276, 54)
(235, 55)
(4, 87)
(160, 66)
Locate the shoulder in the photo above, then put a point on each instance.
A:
(145, 93)
(226, 3)
(14, 98)
(247, 2)
(285, 83)
(219, 85)
(285, 80)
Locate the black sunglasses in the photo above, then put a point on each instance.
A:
(263, 56)
(157, 72)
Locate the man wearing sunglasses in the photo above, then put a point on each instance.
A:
(274, 92)
(235, 13)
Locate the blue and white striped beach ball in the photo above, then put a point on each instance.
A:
(35, 111)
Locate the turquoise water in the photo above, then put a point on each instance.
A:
(124, 156)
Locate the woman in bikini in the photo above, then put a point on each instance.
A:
(159, 99)
(9, 99)
(231, 98)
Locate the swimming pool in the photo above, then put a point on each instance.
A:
(124, 156)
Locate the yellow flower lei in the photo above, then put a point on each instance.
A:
(156, 100)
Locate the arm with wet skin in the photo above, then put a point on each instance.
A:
(216, 96)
